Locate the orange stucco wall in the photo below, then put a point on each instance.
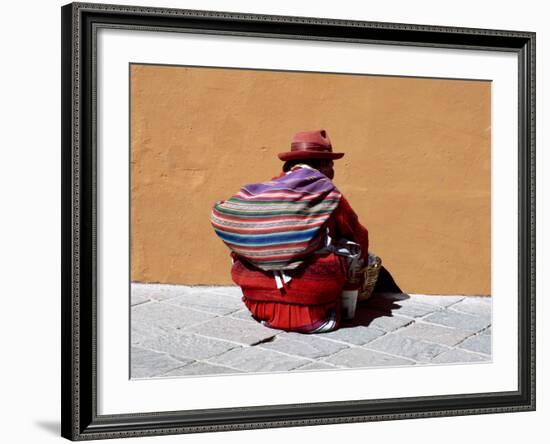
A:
(416, 169)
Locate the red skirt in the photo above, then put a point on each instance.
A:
(309, 303)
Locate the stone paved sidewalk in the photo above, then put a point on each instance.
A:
(181, 331)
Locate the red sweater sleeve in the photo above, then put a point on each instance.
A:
(347, 225)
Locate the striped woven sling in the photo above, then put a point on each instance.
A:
(275, 225)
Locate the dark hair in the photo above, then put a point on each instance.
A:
(313, 163)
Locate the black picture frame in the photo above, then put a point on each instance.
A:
(80, 420)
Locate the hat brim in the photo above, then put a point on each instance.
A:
(295, 155)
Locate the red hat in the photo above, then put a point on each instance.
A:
(310, 145)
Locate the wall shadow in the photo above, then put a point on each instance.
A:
(385, 282)
(53, 427)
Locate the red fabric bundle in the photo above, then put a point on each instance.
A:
(319, 282)
(303, 303)
(296, 318)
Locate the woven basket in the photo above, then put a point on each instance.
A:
(369, 277)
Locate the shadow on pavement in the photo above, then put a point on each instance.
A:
(383, 301)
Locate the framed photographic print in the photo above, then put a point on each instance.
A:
(275, 221)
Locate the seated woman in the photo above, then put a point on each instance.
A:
(308, 297)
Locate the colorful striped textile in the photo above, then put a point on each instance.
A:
(275, 225)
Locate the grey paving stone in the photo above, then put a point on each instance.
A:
(404, 299)
(441, 301)
(414, 310)
(357, 335)
(487, 331)
(456, 356)
(234, 330)
(307, 346)
(185, 345)
(455, 319)
(360, 357)
(201, 368)
(211, 302)
(156, 316)
(138, 335)
(388, 322)
(230, 290)
(407, 347)
(161, 292)
(242, 314)
(403, 307)
(435, 333)
(255, 359)
(317, 366)
(175, 329)
(136, 299)
(480, 306)
(158, 292)
(147, 363)
(479, 343)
